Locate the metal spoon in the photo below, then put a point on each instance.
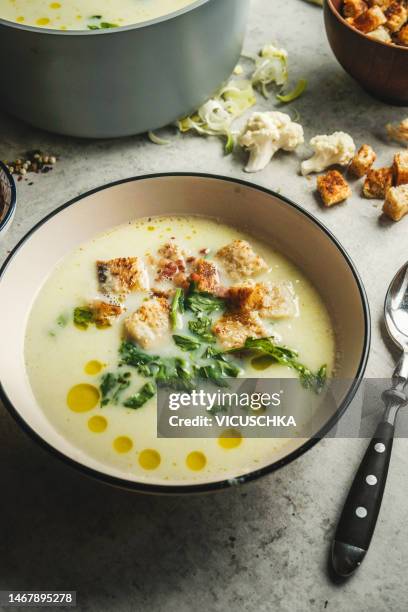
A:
(359, 516)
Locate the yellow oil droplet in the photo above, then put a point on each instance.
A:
(196, 461)
(55, 5)
(83, 398)
(97, 424)
(93, 367)
(151, 228)
(63, 27)
(42, 21)
(79, 17)
(149, 459)
(20, 19)
(230, 438)
(122, 444)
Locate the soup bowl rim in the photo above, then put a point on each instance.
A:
(111, 31)
(144, 487)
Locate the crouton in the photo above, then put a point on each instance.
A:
(398, 131)
(402, 37)
(370, 20)
(354, 8)
(240, 260)
(333, 188)
(122, 275)
(377, 183)
(383, 4)
(270, 300)
(396, 203)
(205, 276)
(400, 168)
(172, 261)
(234, 328)
(381, 34)
(149, 323)
(104, 313)
(362, 161)
(396, 15)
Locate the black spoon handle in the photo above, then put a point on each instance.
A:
(359, 516)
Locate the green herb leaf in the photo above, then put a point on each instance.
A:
(186, 343)
(177, 309)
(112, 386)
(141, 397)
(201, 302)
(62, 320)
(285, 356)
(201, 327)
(83, 317)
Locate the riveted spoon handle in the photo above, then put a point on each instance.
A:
(359, 516)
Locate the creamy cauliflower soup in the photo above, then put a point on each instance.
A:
(168, 302)
(86, 14)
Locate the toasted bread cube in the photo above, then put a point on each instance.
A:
(122, 275)
(381, 34)
(240, 260)
(269, 300)
(149, 323)
(377, 182)
(104, 313)
(372, 19)
(400, 167)
(234, 328)
(383, 4)
(362, 161)
(205, 276)
(403, 36)
(396, 15)
(396, 203)
(398, 131)
(354, 8)
(333, 188)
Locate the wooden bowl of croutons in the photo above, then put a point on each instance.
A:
(370, 40)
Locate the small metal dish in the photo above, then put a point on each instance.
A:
(7, 199)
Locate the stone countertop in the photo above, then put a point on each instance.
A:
(264, 546)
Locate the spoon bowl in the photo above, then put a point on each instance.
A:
(396, 308)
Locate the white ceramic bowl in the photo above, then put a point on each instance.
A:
(290, 230)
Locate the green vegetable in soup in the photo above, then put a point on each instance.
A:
(186, 343)
(201, 302)
(201, 327)
(140, 398)
(177, 309)
(284, 356)
(112, 386)
(83, 317)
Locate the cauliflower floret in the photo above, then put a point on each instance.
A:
(336, 148)
(266, 133)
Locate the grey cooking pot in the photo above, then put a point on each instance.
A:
(122, 81)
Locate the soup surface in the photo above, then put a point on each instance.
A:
(86, 14)
(118, 299)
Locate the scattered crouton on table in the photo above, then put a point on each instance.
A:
(333, 188)
(396, 202)
(377, 183)
(362, 161)
(400, 168)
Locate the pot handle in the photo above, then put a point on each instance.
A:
(359, 516)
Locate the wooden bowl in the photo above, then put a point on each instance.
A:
(380, 68)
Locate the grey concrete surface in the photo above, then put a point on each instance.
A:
(262, 547)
